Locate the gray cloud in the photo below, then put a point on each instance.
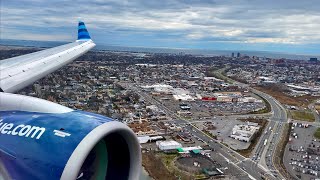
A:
(257, 21)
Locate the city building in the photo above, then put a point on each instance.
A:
(188, 149)
(313, 59)
(146, 139)
(183, 97)
(244, 132)
(168, 145)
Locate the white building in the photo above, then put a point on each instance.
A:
(244, 132)
(183, 97)
(161, 88)
(187, 149)
(250, 100)
(145, 139)
(168, 145)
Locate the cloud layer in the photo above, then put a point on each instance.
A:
(170, 23)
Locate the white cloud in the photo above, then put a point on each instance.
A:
(241, 21)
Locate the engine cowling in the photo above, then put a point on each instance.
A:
(68, 145)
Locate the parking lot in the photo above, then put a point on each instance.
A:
(219, 108)
(223, 129)
(302, 153)
(199, 108)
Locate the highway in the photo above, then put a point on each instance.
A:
(246, 165)
(255, 168)
(265, 154)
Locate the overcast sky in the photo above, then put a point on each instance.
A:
(273, 25)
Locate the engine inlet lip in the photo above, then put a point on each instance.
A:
(79, 155)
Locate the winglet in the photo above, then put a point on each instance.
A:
(83, 33)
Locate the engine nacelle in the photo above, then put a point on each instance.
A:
(64, 144)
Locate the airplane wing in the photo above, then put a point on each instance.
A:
(44, 140)
(19, 72)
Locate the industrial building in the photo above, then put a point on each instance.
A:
(230, 97)
(183, 97)
(146, 139)
(180, 94)
(168, 145)
(244, 132)
(189, 149)
(160, 88)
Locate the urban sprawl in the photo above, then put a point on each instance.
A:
(197, 117)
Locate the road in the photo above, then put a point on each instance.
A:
(263, 164)
(264, 154)
(246, 165)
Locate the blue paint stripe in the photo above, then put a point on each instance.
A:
(83, 33)
(82, 27)
(84, 37)
(82, 30)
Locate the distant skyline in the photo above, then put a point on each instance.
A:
(253, 25)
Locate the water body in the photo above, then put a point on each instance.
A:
(208, 52)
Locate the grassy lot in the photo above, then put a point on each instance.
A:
(168, 161)
(161, 166)
(155, 167)
(219, 74)
(210, 134)
(273, 90)
(277, 92)
(317, 133)
(302, 115)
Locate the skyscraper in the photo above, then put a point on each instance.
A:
(238, 54)
(232, 54)
(313, 59)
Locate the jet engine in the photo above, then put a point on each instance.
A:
(43, 140)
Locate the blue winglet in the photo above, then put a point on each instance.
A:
(83, 33)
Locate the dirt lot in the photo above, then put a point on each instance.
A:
(302, 115)
(317, 133)
(160, 166)
(302, 101)
(155, 168)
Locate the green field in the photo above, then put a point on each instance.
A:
(317, 133)
(302, 115)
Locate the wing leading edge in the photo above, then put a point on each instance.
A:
(19, 72)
